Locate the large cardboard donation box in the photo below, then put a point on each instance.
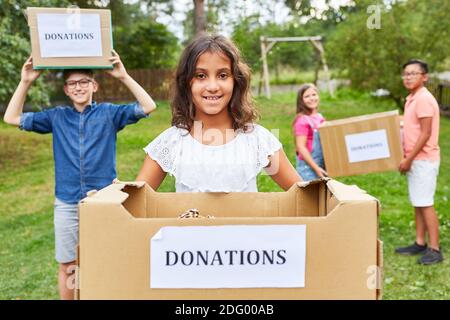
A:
(69, 38)
(363, 144)
(318, 240)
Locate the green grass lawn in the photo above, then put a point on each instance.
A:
(28, 269)
(288, 75)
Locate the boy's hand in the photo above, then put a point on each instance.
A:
(405, 166)
(119, 70)
(28, 74)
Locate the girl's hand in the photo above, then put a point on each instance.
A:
(321, 173)
(119, 71)
(28, 74)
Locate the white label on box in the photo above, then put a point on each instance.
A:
(69, 35)
(244, 256)
(366, 146)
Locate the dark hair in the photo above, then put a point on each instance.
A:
(241, 107)
(301, 106)
(68, 72)
(423, 65)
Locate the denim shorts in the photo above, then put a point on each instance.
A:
(305, 171)
(66, 231)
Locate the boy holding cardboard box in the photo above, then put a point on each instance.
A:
(84, 146)
(421, 162)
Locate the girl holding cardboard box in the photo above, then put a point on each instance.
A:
(214, 144)
(309, 157)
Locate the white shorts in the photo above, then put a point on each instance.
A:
(422, 182)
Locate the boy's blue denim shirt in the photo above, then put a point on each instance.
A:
(84, 144)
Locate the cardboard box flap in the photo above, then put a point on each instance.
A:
(305, 199)
(304, 184)
(380, 269)
(113, 193)
(348, 193)
(140, 201)
(360, 118)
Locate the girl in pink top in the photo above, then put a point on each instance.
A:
(310, 164)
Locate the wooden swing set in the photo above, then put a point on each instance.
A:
(267, 44)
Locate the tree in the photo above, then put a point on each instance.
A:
(299, 56)
(146, 44)
(123, 14)
(199, 17)
(373, 58)
(204, 18)
(329, 14)
(15, 49)
(139, 39)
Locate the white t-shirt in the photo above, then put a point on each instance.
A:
(231, 167)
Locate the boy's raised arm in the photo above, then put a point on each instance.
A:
(119, 72)
(15, 106)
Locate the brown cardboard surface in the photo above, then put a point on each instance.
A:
(116, 224)
(67, 63)
(333, 133)
(380, 270)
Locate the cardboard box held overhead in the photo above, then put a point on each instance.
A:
(70, 38)
(364, 144)
(318, 240)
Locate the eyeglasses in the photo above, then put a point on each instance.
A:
(411, 74)
(84, 83)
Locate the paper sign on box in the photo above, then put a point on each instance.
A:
(59, 37)
(366, 146)
(228, 257)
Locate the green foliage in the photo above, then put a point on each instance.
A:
(329, 13)
(146, 44)
(212, 8)
(15, 49)
(373, 58)
(138, 38)
(15, 11)
(291, 77)
(247, 35)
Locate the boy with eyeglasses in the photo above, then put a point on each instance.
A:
(421, 161)
(84, 146)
